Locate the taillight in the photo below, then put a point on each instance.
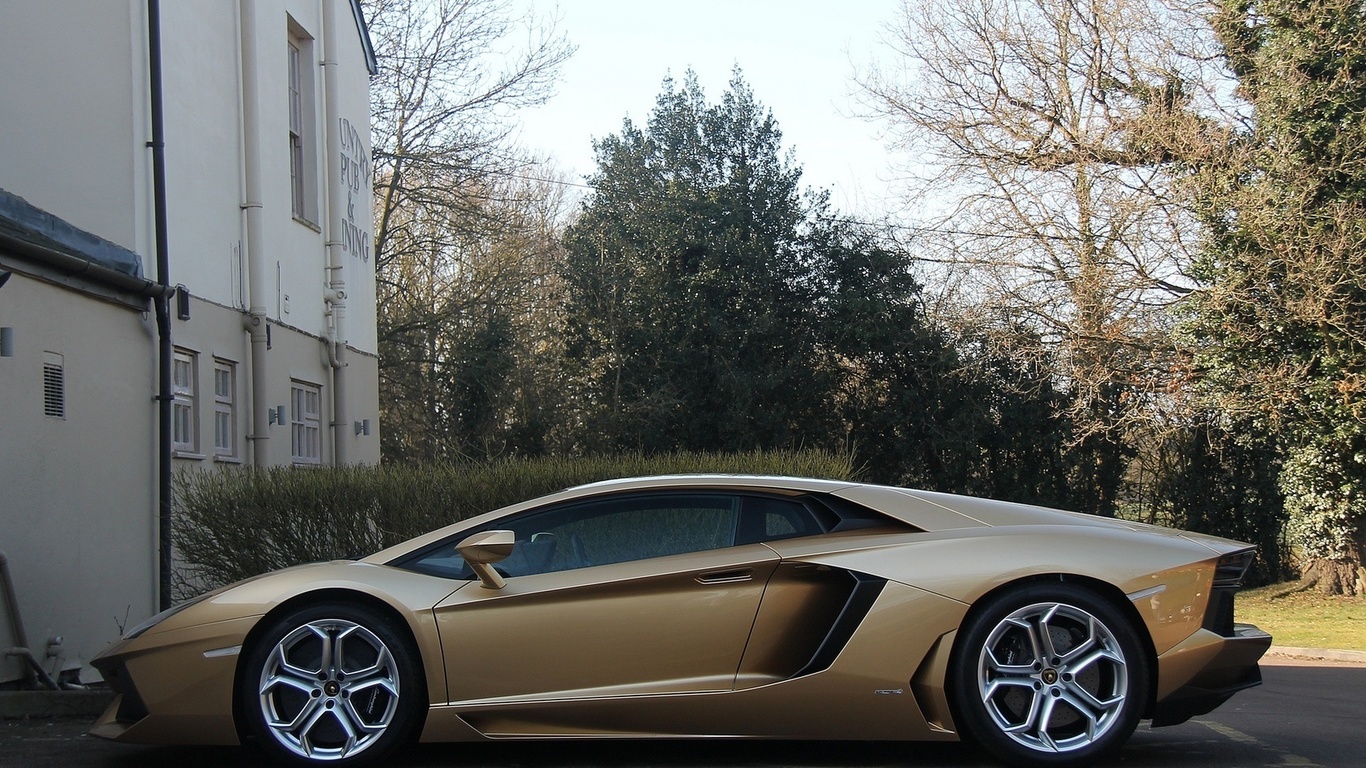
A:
(1228, 577)
(1231, 568)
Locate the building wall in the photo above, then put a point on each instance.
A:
(79, 497)
(204, 148)
(75, 518)
(207, 130)
(73, 115)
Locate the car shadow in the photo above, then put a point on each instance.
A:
(687, 753)
(1191, 745)
(594, 754)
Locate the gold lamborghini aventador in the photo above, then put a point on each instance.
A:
(709, 606)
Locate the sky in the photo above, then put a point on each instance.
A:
(798, 56)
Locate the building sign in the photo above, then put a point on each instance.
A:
(355, 175)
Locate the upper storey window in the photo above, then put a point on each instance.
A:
(303, 174)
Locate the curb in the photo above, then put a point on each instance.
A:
(1327, 654)
(16, 705)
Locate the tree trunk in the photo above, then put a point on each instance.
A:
(1343, 576)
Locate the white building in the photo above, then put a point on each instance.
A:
(267, 215)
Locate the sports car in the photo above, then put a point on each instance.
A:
(708, 606)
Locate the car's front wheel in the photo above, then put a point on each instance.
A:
(1049, 674)
(332, 683)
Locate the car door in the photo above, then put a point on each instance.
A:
(634, 594)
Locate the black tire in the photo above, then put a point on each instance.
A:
(1048, 674)
(332, 683)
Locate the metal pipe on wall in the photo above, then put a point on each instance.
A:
(336, 294)
(16, 621)
(163, 307)
(255, 321)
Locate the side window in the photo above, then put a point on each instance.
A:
(602, 532)
(766, 518)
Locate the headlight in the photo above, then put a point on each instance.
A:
(168, 613)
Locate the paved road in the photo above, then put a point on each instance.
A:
(1307, 714)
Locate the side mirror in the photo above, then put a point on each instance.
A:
(482, 550)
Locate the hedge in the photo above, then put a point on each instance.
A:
(229, 525)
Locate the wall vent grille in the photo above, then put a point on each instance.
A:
(54, 387)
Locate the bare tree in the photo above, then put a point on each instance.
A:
(462, 240)
(1047, 137)
(443, 104)
(471, 327)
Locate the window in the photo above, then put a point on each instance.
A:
(224, 409)
(296, 132)
(305, 424)
(302, 173)
(184, 418)
(767, 518)
(54, 386)
(602, 532)
(653, 524)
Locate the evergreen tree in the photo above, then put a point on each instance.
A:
(714, 305)
(691, 281)
(1282, 326)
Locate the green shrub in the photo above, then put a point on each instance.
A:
(230, 525)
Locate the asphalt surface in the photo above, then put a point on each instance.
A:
(1306, 714)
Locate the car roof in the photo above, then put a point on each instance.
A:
(926, 510)
(768, 482)
(794, 485)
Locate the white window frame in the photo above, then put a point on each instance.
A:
(305, 423)
(224, 409)
(184, 403)
(303, 175)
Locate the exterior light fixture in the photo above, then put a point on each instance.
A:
(6, 333)
(182, 302)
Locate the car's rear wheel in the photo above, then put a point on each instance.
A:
(1049, 674)
(332, 683)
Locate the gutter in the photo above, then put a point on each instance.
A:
(81, 267)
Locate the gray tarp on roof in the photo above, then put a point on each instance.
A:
(22, 221)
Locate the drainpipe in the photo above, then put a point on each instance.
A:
(16, 622)
(335, 298)
(163, 307)
(255, 320)
(33, 669)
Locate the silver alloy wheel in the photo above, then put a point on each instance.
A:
(329, 689)
(1053, 677)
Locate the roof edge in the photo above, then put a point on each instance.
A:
(66, 252)
(371, 62)
(27, 223)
